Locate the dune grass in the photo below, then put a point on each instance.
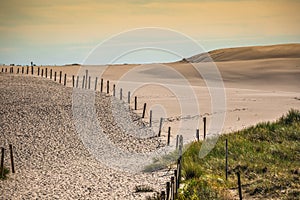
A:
(6, 172)
(267, 156)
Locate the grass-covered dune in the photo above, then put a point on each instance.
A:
(266, 155)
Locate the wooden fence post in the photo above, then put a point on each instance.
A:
(177, 141)
(83, 79)
(168, 190)
(176, 188)
(197, 134)
(12, 158)
(18, 70)
(60, 74)
(114, 90)
(55, 76)
(96, 82)
(226, 159)
(107, 87)
(50, 73)
(204, 129)
(128, 97)
(169, 135)
(160, 126)
(32, 72)
(150, 119)
(42, 73)
(172, 188)
(77, 81)
(65, 80)
(179, 171)
(89, 82)
(27, 70)
(121, 93)
(101, 85)
(144, 110)
(2, 161)
(239, 185)
(73, 80)
(135, 103)
(163, 195)
(22, 70)
(86, 78)
(46, 72)
(38, 71)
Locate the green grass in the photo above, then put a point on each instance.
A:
(267, 156)
(6, 172)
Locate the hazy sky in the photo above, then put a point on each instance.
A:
(65, 31)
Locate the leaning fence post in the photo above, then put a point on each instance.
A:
(2, 161)
(239, 185)
(86, 78)
(144, 110)
(12, 158)
(160, 126)
(226, 159)
(96, 82)
(204, 128)
(169, 135)
(150, 119)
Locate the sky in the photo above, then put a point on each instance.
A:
(66, 31)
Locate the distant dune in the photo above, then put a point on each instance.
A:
(249, 53)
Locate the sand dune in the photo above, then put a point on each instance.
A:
(249, 53)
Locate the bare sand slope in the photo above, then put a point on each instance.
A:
(249, 53)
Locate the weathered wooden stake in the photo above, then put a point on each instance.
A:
(65, 80)
(135, 103)
(32, 72)
(77, 81)
(239, 185)
(18, 70)
(128, 97)
(144, 110)
(96, 82)
(163, 195)
(176, 188)
(150, 119)
(179, 171)
(50, 73)
(73, 80)
(2, 161)
(46, 72)
(160, 126)
(121, 93)
(107, 87)
(86, 78)
(22, 70)
(177, 141)
(197, 134)
(42, 73)
(169, 135)
(204, 128)
(83, 79)
(27, 70)
(114, 90)
(226, 159)
(168, 190)
(54, 76)
(101, 85)
(38, 71)
(172, 188)
(89, 82)
(60, 74)
(12, 159)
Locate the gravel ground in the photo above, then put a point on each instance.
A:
(52, 161)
